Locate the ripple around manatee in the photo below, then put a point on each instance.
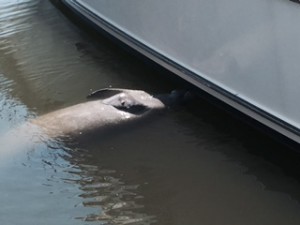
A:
(96, 194)
(12, 111)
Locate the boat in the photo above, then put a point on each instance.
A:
(244, 53)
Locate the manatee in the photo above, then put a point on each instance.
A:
(106, 110)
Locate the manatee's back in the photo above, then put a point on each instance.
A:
(82, 118)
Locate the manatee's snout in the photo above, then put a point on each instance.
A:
(178, 95)
(175, 97)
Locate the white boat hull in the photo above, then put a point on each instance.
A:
(245, 53)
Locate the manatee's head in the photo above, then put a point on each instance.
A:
(131, 101)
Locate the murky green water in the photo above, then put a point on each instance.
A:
(191, 165)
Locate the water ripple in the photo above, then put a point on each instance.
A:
(12, 111)
(115, 200)
(15, 16)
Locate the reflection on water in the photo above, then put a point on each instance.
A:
(114, 199)
(193, 165)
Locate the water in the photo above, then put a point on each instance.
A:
(192, 165)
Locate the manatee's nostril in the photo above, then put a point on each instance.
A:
(122, 102)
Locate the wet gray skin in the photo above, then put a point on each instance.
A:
(108, 112)
(123, 107)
